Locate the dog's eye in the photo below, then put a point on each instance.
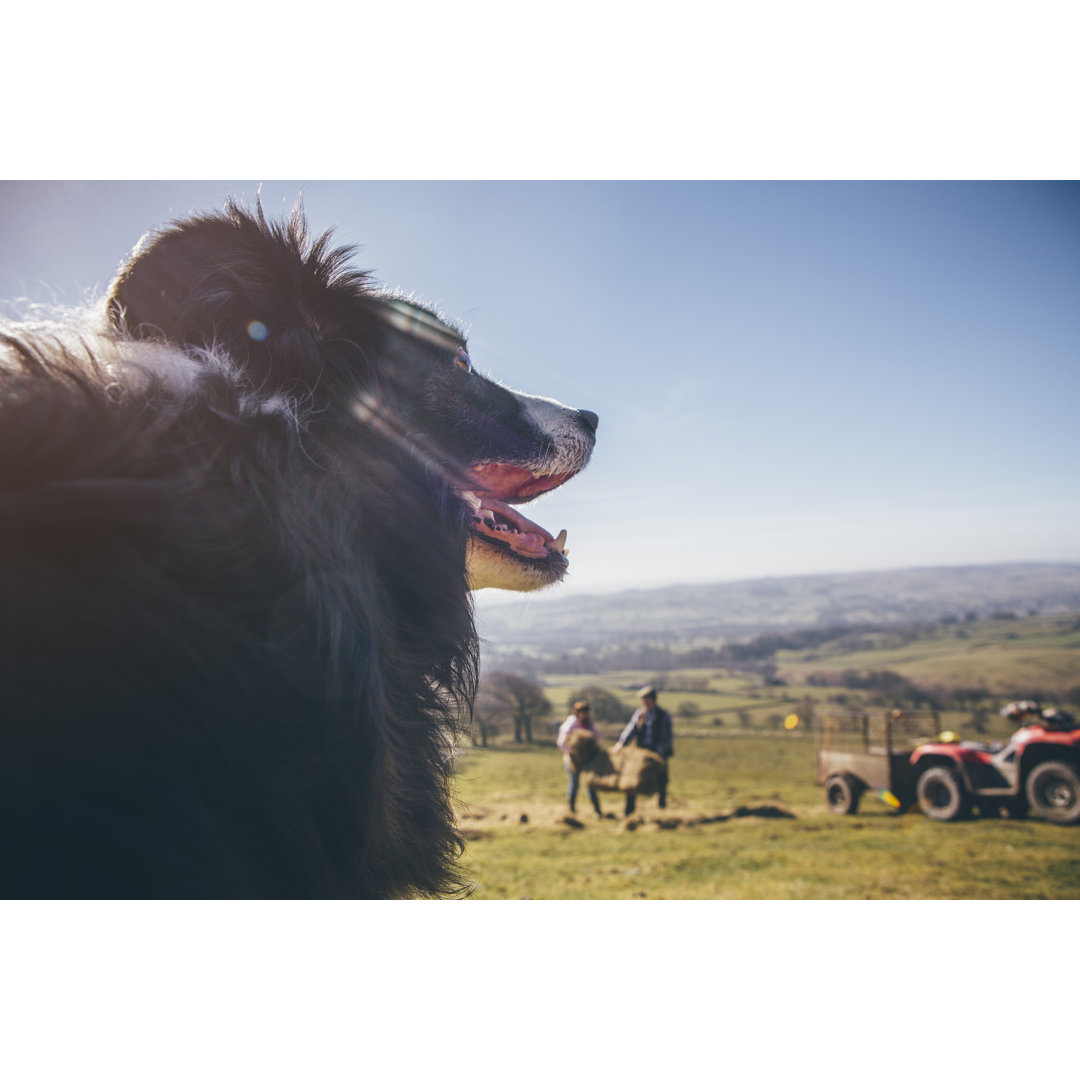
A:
(461, 358)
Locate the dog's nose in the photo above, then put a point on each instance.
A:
(590, 418)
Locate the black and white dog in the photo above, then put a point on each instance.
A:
(239, 523)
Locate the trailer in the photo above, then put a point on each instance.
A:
(863, 751)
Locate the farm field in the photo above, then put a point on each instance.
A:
(1006, 656)
(1002, 659)
(744, 820)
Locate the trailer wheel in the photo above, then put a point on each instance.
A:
(941, 794)
(842, 794)
(1053, 790)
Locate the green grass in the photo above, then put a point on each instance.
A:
(680, 854)
(727, 694)
(1008, 658)
(1005, 656)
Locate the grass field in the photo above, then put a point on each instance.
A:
(522, 843)
(1006, 656)
(745, 818)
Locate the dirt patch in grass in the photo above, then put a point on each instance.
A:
(547, 817)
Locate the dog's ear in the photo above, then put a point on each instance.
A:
(259, 289)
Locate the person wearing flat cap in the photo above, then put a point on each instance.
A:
(650, 728)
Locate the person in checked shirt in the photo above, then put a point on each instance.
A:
(650, 728)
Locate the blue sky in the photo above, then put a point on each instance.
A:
(791, 377)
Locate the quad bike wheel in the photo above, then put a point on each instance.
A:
(941, 794)
(842, 794)
(1053, 789)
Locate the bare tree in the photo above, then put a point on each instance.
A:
(515, 698)
(487, 711)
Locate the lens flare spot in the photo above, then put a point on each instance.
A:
(257, 331)
(791, 722)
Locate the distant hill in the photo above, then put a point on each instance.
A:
(736, 611)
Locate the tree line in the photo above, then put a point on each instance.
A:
(508, 702)
(513, 700)
(755, 655)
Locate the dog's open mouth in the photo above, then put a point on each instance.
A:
(494, 520)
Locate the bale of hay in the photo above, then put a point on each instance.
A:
(581, 746)
(600, 772)
(593, 765)
(628, 769)
(640, 771)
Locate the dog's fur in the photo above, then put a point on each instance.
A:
(238, 525)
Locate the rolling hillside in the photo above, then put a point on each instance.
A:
(735, 611)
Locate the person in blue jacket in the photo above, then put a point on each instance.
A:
(650, 728)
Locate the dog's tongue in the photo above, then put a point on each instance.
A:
(502, 522)
(530, 539)
(496, 487)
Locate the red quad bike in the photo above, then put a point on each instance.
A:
(1037, 770)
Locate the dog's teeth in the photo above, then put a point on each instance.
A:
(472, 499)
(559, 543)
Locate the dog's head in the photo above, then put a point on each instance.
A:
(306, 327)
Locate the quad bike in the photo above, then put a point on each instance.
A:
(1037, 770)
